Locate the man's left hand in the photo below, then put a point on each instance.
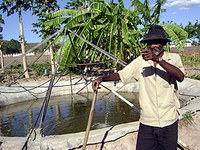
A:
(149, 55)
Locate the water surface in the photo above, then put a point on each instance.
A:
(68, 114)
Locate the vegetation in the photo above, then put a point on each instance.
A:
(42, 8)
(16, 6)
(1, 28)
(39, 69)
(187, 118)
(193, 31)
(108, 25)
(191, 60)
(11, 47)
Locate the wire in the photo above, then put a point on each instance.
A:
(45, 103)
(123, 63)
(32, 49)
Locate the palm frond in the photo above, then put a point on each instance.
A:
(176, 34)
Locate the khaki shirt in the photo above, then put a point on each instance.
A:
(157, 97)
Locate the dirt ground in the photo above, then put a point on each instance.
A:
(189, 132)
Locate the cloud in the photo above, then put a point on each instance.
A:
(174, 13)
(182, 4)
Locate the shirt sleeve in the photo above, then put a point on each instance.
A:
(178, 63)
(130, 73)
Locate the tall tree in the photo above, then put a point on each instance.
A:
(1, 37)
(78, 4)
(10, 47)
(40, 9)
(1, 28)
(193, 31)
(12, 6)
(197, 31)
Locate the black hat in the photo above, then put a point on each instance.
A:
(156, 32)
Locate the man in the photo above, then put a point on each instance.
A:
(157, 72)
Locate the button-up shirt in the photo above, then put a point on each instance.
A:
(157, 89)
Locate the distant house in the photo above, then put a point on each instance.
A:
(187, 44)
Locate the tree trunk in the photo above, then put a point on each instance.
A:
(51, 56)
(51, 49)
(2, 61)
(22, 44)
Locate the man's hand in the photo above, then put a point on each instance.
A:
(96, 83)
(110, 77)
(149, 55)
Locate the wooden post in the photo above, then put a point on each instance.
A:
(2, 61)
(1, 55)
(89, 120)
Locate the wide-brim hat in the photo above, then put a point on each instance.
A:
(156, 32)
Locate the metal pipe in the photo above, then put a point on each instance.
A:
(122, 98)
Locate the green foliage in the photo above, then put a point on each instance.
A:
(191, 60)
(1, 28)
(10, 47)
(196, 77)
(108, 25)
(176, 34)
(15, 69)
(188, 117)
(12, 6)
(40, 68)
(193, 31)
(78, 4)
(41, 9)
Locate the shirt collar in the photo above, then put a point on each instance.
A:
(166, 56)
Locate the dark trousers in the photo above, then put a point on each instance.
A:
(156, 138)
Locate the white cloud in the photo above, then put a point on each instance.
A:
(182, 4)
(174, 13)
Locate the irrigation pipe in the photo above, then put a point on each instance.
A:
(123, 99)
(89, 120)
(48, 93)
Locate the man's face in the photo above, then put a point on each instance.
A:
(157, 48)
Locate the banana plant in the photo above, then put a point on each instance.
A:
(177, 35)
(111, 27)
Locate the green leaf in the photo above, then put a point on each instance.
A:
(176, 34)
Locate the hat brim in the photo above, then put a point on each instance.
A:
(146, 40)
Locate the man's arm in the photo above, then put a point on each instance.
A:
(110, 77)
(172, 70)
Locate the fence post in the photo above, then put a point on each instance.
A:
(1, 55)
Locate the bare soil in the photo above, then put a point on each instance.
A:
(189, 132)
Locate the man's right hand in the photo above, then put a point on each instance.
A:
(96, 83)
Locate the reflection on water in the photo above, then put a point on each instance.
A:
(67, 115)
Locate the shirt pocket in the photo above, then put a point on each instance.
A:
(163, 79)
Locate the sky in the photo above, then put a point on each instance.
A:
(178, 11)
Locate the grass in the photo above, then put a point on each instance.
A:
(187, 118)
(193, 62)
